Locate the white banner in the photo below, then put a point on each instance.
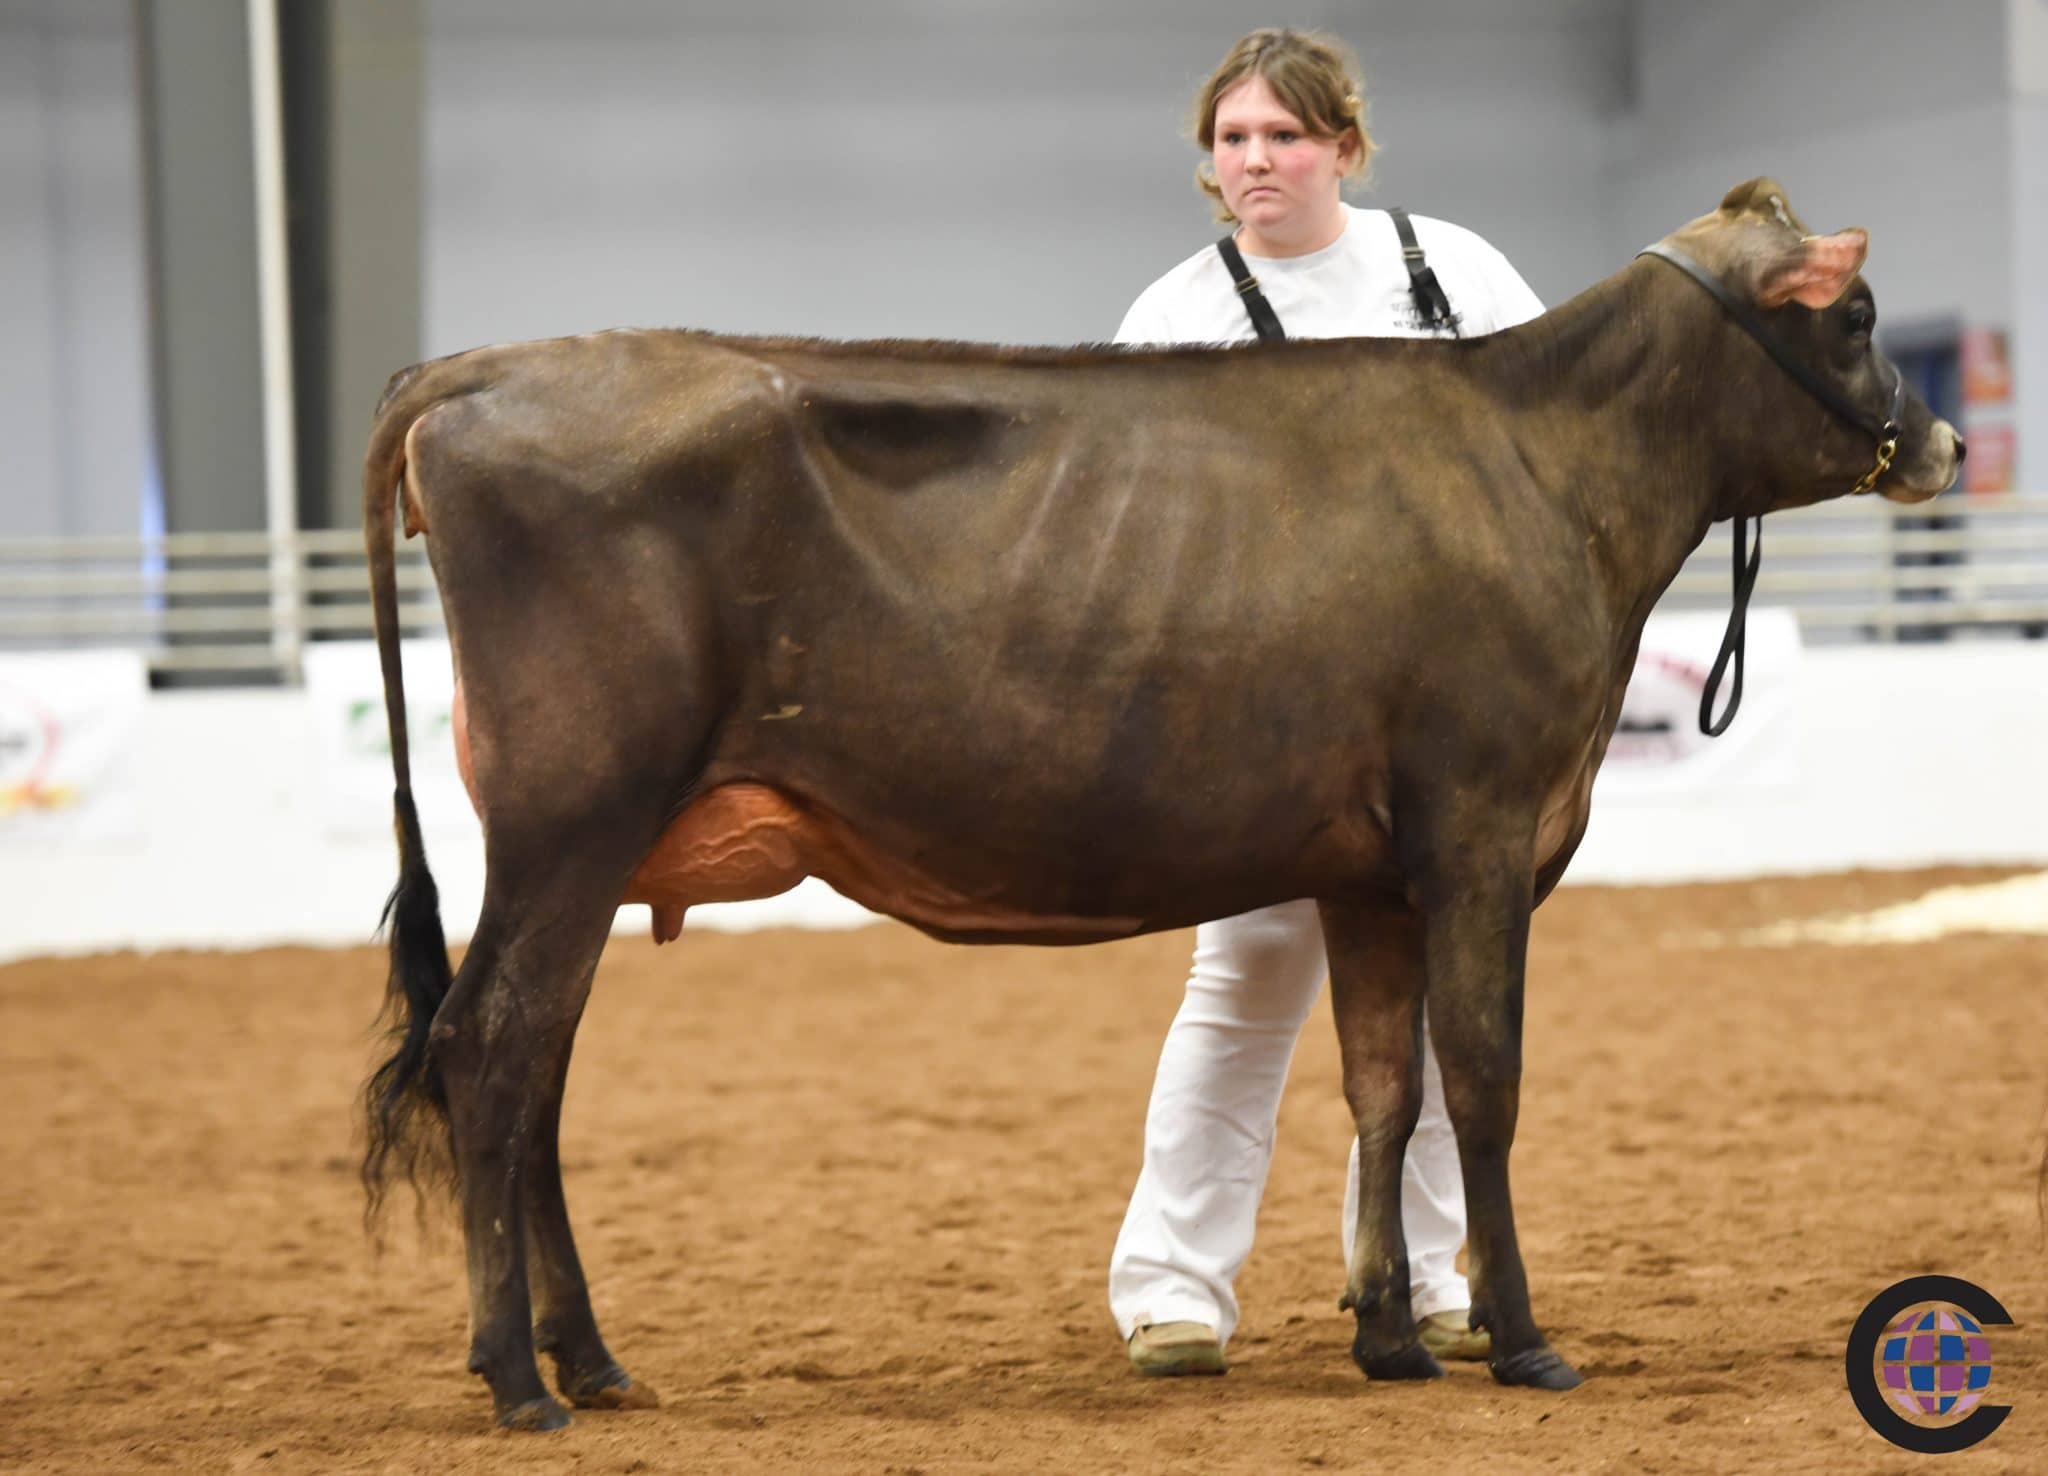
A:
(1658, 749)
(68, 723)
(352, 746)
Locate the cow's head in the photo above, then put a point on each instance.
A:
(1811, 298)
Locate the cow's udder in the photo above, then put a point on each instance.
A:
(735, 843)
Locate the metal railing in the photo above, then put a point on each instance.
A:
(205, 603)
(1874, 570)
(245, 604)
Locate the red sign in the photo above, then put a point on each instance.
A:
(1989, 466)
(1987, 370)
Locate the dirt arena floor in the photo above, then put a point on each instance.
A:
(847, 1199)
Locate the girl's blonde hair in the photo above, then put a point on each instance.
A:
(1315, 77)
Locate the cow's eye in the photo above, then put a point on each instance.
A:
(1862, 317)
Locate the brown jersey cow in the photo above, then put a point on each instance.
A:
(1054, 646)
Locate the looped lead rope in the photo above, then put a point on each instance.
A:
(1745, 569)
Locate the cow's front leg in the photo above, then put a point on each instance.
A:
(1476, 940)
(1376, 988)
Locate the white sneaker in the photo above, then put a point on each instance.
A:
(1447, 1335)
(1170, 1349)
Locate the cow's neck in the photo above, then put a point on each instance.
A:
(1617, 415)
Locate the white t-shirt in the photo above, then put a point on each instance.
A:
(1355, 287)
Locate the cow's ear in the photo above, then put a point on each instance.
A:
(1816, 272)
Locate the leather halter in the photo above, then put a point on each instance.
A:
(1747, 563)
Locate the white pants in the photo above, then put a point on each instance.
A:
(1209, 1135)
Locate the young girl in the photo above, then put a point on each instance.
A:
(1284, 126)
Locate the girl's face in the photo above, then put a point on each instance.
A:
(1276, 177)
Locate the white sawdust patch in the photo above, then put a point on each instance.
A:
(2016, 905)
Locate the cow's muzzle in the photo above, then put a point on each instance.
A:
(1943, 465)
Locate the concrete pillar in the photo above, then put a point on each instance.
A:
(355, 82)
(200, 207)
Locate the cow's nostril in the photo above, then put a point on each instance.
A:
(1961, 450)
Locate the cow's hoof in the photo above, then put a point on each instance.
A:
(611, 1388)
(1536, 1368)
(1411, 1362)
(536, 1414)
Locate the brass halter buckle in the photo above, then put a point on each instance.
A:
(1885, 453)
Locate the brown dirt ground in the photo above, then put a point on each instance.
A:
(847, 1199)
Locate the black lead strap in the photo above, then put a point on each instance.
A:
(1746, 566)
(1747, 563)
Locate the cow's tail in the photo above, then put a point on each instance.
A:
(404, 1104)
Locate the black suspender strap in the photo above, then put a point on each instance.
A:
(1430, 300)
(1264, 319)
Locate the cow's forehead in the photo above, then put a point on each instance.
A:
(1753, 220)
(1765, 199)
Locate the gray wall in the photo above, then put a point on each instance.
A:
(921, 169)
(1012, 172)
(1889, 114)
(74, 385)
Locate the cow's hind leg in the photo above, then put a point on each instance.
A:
(1376, 989)
(1476, 939)
(564, 1327)
(501, 1040)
